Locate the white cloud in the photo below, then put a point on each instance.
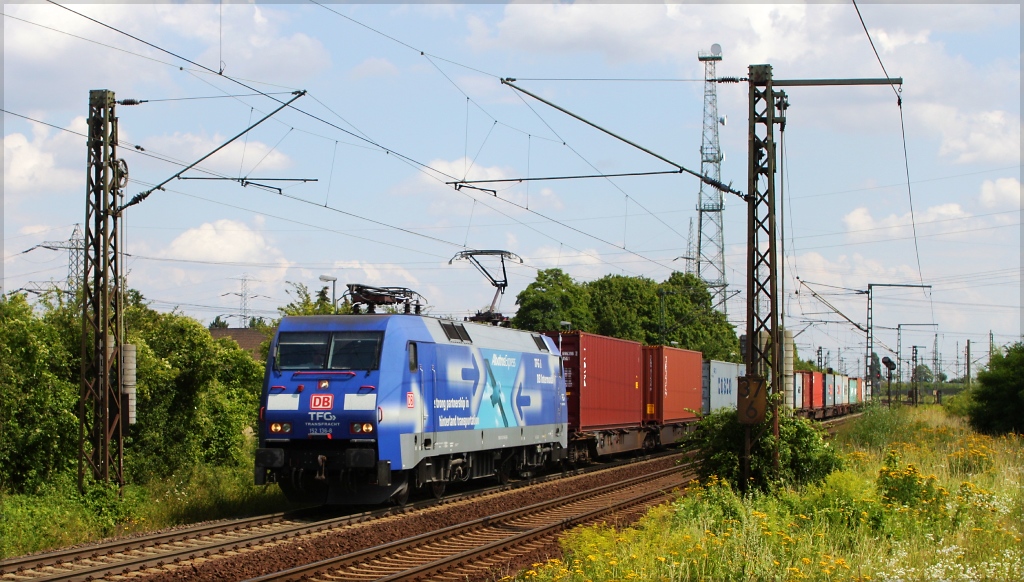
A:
(991, 136)
(34, 165)
(222, 241)
(1001, 193)
(862, 226)
(374, 67)
(888, 41)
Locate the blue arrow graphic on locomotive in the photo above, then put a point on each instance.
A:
(496, 396)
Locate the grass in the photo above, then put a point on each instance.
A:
(922, 497)
(59, 515)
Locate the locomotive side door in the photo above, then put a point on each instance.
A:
(426, 369)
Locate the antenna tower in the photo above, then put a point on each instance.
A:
(710, 245)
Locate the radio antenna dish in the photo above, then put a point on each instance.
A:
(489, 316)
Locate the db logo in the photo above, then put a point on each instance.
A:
(321, 401)
(410, 400)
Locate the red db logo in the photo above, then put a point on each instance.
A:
(321, 401)
(410, 400)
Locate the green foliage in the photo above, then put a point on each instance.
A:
(905, 485)
(998, 405)
(218, 323)
(804, 455)
(58, 515)
(880, 426)
(552, 298)
(923, 373)
(677, 311)
(692, 321)
(38, 422)
(959, 404)
(196, 398)
(882, 518)
(305, 304)
(625, 307)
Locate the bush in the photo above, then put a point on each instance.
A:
(804, 455)
(881, 426)
(998, 405)
(959, 404)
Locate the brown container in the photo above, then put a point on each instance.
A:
(602, 381)
(672, 384)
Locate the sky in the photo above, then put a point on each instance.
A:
(875, 188)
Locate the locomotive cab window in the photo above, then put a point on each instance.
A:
(302, 350)
(355, 350)
(413, 360)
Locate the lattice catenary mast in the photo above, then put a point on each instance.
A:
(710, 245)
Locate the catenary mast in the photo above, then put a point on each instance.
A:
(710, 245)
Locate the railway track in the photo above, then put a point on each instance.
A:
(123, 556)
(133, 557)
(473, 548)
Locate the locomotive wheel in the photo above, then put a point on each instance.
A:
(300, 488)
(505, 471)
(401, 497)
(437, 489)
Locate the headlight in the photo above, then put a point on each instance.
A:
(275, 427)
(360, 427)
(279, 427)
(367, 427)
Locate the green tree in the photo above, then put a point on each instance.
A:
(38, 425)
(691, 320)
(804, 455)
(998, 397)
(218, 323)
(552, 298)
(305, 304)
(923, 373)
(625, 307)
(196, 396)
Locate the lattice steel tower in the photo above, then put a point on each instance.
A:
(710, 246)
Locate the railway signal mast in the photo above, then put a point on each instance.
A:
(710, 245)
(766, 109)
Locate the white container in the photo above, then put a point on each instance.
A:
(720, 384)
(830, 390)
(798, 390)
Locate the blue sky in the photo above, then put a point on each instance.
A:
(376, 219)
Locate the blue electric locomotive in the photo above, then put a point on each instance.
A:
(362, 408)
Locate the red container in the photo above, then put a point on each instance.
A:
(602, 381)
(808, 388)
(672, 384)
(818, 390)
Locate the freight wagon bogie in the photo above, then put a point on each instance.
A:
(362, 409)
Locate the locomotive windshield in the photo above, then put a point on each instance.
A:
(343, 350)
(302, 351)
(355, 350)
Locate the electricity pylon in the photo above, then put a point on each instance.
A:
(710, 245)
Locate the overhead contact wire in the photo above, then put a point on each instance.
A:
(906, 159)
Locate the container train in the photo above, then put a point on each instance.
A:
(360, 409)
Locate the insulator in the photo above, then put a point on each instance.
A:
(129, 102)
